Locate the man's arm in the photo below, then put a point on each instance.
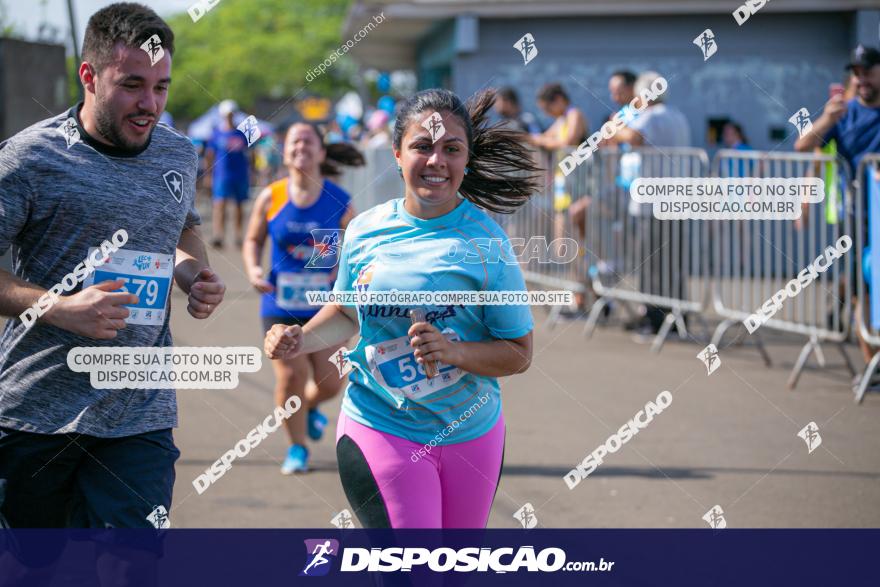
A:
(95, 312)
(628, 135)
(17, 295)
(834, 110)
(193, 275)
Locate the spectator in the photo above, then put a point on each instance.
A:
(734, 137)
(509, 109)
(227, 155)
(854, 126)
(659, 125)
(569, 127)
(621, 86)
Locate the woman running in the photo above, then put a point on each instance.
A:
(299, 214)
(414, 451)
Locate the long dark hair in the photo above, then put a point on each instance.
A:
(501, 175)
(337, 153)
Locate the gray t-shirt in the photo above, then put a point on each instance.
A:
(663, 126)
(55, 204)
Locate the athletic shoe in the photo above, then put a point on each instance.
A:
(317, 423)
(297, 460)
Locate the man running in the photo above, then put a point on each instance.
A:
(70, 454)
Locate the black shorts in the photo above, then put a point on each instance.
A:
(269, 321)
(80, 481)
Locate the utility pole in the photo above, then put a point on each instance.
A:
(76, 59)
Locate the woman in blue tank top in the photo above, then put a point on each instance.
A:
(303, 217)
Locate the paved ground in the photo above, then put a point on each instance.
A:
(727, 439)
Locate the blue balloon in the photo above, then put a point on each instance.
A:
(383, 83)
(386, 103)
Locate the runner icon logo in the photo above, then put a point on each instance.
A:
(706, 42)
(342, 362)
(709, 356)
(801, 121)
(343, 520)
(69, 131)
(526, 516)
(434, 125)
(153, 48)
(715, 518)
(526, 46)
(319, 554)
(159, 518)
(250, 129)
(810, 434)
(174, 183)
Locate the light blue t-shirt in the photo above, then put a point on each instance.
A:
(386, 248)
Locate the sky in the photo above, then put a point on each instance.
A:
(27, 15)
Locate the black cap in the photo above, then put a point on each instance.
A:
(865, 57)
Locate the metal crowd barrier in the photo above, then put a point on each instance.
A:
(753, 259)
(684, 267)
(867, 181)
(632, 256)
(542, 229)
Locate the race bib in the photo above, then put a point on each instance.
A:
(291, 288)
(393, 364)
(147, 275)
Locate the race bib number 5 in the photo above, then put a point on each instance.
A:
(393, 364)
(146, 275)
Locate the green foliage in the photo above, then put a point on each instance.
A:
(245, 49)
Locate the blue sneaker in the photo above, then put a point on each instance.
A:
(297, 460)
(317, 423)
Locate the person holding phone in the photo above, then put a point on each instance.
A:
(853, 124)
(417, 451)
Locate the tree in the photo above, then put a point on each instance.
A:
(245, 49)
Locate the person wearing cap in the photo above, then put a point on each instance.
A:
(855, 127)
(227, 157)
(854, 124)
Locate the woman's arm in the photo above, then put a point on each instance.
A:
(252, 252)
(330, 327)
(491, 358)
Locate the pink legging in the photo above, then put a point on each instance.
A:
(453, 486)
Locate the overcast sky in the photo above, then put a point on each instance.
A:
(27, 15)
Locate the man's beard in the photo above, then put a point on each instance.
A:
(869, 94)
(110, 130)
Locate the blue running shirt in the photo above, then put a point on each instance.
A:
(387, 248)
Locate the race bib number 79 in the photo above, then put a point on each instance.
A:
(146, 275)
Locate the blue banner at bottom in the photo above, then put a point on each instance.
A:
(631, 558)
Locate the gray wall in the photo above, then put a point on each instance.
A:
(33, 84)
(790, 58)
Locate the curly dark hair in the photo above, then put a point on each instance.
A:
(128, 23)
(502, 174)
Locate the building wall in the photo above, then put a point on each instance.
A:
(763, 72)
(33, 84)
